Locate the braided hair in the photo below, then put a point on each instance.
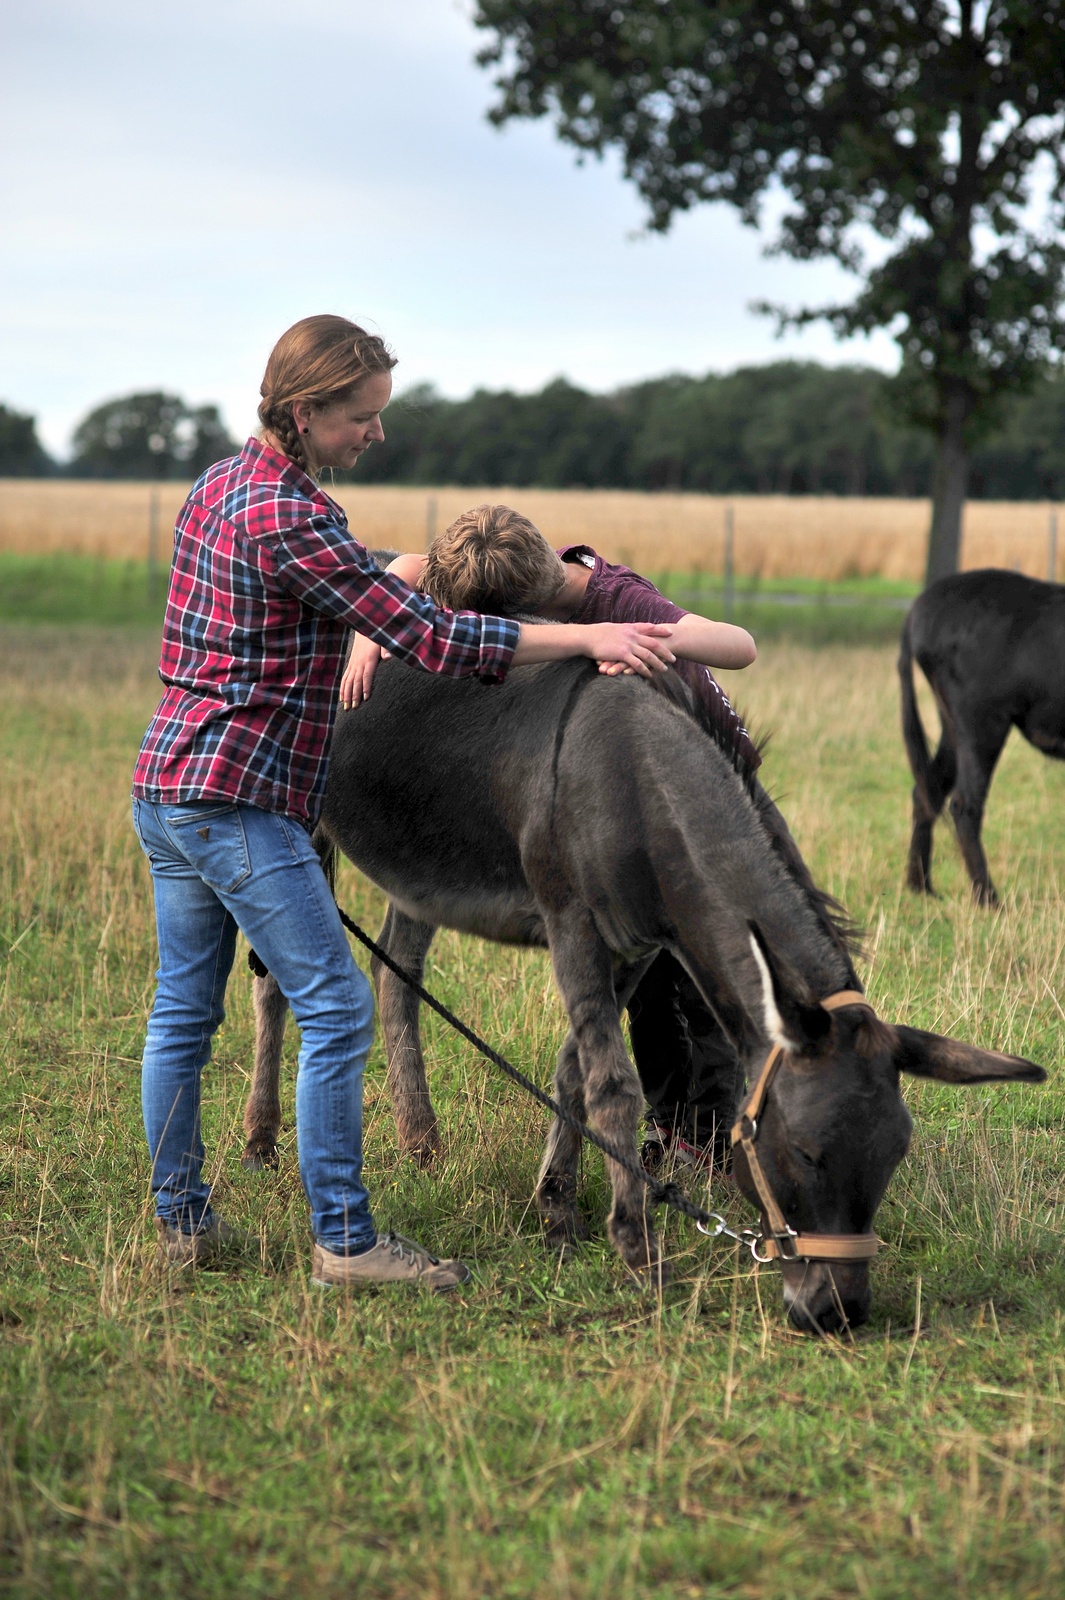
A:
(321, 360)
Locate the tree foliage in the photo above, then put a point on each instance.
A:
(149, 436)
(920, 143)
(21, 453)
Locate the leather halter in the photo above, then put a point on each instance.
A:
(780, 1241)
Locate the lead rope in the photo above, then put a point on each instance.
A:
(667, 1194)
(779, 1239)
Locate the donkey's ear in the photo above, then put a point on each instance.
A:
(788, 1021)
(929, 1055)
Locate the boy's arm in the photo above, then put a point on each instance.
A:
(409, 568)
(629, 646)
(714, 644)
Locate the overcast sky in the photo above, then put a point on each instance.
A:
(182, 182)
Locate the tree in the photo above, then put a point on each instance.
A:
(21, 453)
(149, 436)
(935, 126)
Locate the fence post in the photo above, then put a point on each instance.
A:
(153, 541)
(728, 568)
(1052, 546)
(430, 520)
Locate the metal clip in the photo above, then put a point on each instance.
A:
(748, 1235)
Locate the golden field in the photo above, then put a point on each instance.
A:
(776, 536)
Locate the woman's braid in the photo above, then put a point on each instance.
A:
(282, 425)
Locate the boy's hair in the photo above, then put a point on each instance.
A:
(492, 559)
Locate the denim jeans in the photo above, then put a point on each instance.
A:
(217, 867)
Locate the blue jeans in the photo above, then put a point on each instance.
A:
(217, 867)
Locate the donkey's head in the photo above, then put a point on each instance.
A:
(831, 1129)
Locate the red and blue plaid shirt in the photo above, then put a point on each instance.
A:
(266, 581)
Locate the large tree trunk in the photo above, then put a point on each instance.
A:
(949, 488)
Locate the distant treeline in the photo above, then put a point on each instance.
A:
(788, 428)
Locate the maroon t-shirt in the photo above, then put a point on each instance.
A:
(617, 594)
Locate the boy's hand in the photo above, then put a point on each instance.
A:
(630, 646)
(357, 681)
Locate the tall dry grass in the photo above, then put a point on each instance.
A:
(547, 1432)
(776, 536)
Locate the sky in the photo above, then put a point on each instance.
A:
(180, 183)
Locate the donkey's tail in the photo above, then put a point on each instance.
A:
(913, 733)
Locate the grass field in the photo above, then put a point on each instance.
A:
(775, 536)
(548, 1432)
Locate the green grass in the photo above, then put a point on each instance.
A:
(548, 1432)
(72, 588)
(807, 610)
(85, 589)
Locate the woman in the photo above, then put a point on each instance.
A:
(265, 584)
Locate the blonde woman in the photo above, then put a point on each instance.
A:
(266, 581)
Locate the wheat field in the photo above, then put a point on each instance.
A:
(775, 536)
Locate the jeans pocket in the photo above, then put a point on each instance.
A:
(212, 840)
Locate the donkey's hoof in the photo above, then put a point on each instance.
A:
(564, 1231)
(260, 1155)
(422, 1148)
(637, 1245)
(650, 1277)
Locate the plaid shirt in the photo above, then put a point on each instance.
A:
(265, 583)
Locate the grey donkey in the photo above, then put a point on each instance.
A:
(608, 818)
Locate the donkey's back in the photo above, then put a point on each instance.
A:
(468, 804)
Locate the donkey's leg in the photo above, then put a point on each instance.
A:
(928, 802)
(977, 755)
(407, 942)
(556, 1187)
(613, 1099)
(262, 1114)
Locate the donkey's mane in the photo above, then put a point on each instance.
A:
(714, 720)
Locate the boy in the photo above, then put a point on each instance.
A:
(493, 559)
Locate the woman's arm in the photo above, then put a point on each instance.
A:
(363, 655)
(643, 647)
(639, 647)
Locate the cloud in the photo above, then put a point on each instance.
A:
(186, 181)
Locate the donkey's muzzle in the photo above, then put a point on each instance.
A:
(826, 1299)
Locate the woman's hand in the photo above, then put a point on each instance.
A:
(622, 647)
(641, 646)
(357, 681)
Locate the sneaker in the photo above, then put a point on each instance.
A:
(663, 1142)
(655, 1148)
(393, 1259)
(180, 1249)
